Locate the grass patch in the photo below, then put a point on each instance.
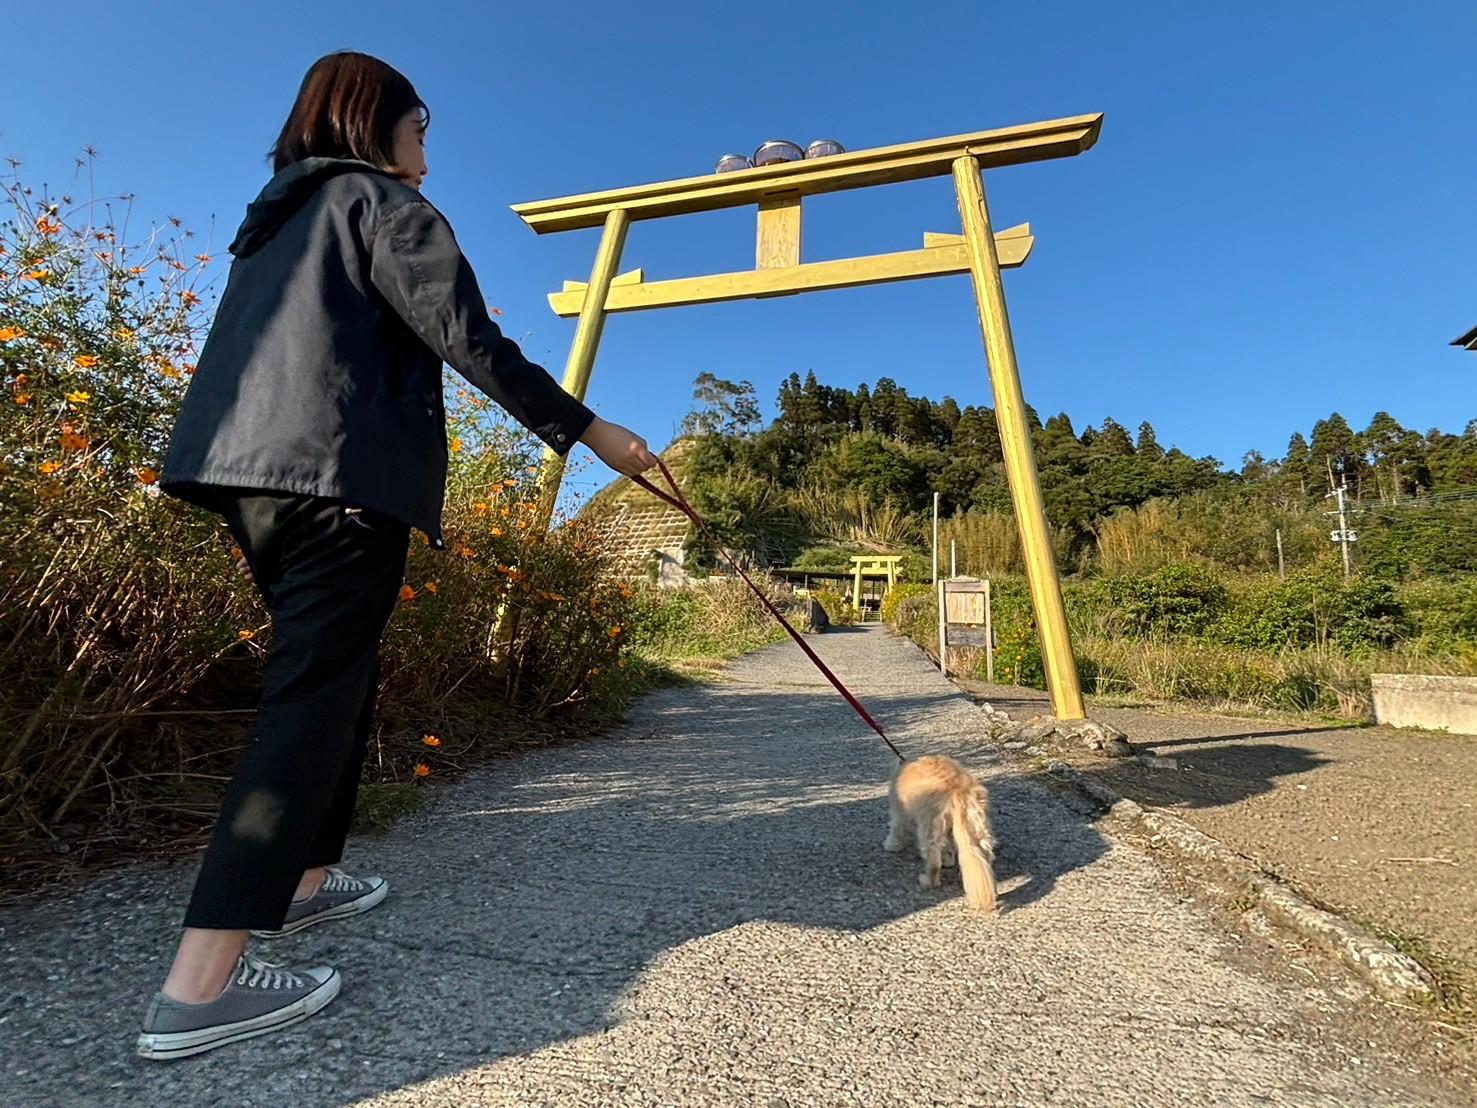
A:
(1455, 977)
(381, 804)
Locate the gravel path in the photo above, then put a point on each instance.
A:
(699, 913)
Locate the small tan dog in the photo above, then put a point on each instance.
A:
(937, 797)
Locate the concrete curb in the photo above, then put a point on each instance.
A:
(1392, 975)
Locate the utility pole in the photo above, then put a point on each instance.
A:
(1343, 528)
(1343, 536)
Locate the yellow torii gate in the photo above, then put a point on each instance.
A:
(777, 191)
(872, 565)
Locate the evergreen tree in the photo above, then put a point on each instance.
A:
(1148, 444)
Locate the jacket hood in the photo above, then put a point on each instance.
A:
(285, 193)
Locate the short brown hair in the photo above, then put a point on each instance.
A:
(347, 107)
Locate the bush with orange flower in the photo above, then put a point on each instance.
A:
(131, 648)
(113, 600)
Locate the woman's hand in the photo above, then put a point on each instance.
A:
(620, 449)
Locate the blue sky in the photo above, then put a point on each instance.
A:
(1277, 222)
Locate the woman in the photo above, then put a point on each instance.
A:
(314, 424)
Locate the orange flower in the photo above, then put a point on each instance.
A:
(47, 228)
(202, 258)
(626, 592)
(169, 372)
(431, 740)
(456, 446)
(422, 770)
(533, 469)
(497, 532)
(509, 482)
(86, 361)
(189, 368)
(506, 514)
(36, 275)
(8, 333)
(615, 632)
(407, 594)
(48, 468)
(71, 440)
(480, 509)
(467, 552)
(188, 298)
(246, 634)
(430, 587)
(237, 553)
(81, 396)
(136, 270)
(147, 476)
(22, 398)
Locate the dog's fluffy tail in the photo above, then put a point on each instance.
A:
(974, 845)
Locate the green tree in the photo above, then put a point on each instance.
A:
(1336, 449)
(1148, 444)
(1112, 441)
(721, 407)
(1297, 465)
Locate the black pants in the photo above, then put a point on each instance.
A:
(330, 576)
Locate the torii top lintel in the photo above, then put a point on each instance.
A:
(1029, 142)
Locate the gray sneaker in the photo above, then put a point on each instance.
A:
(259, 998)
(340, 895)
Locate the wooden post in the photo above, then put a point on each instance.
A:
(777, 243)
(586, 342)
(1281, 568)
(1015, 438)
(935, 538)
(943, 630)
(989, 635)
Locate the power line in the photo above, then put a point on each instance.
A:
(1427, 500)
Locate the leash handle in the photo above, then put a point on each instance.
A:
(678, 501)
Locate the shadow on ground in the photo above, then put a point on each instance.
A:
(1208, 777)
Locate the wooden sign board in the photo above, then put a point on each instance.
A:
(964, 607)
(964, 619)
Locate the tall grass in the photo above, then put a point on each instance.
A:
(846, 515)
(1113, 659)
(986, 542)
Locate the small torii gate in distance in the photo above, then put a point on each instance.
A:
(872, 565)
(777, 191)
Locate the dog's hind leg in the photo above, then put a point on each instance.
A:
(897, 824)
(931, 850)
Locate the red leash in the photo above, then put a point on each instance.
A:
(678, 501)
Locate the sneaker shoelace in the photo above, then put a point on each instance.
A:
(253, 973)
(338, 881)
